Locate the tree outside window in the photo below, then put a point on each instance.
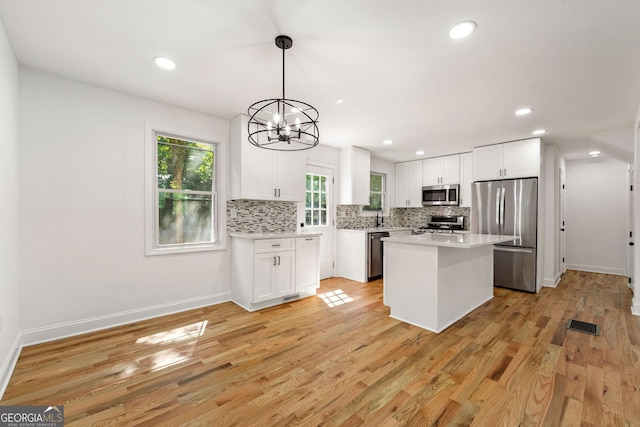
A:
(376, 192)
(185, 192)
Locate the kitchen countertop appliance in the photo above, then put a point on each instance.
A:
(441, 224)
(509, 207)
(374, 253)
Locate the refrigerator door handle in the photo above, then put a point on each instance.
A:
(515, 250)
(502, 191)
(498, 210)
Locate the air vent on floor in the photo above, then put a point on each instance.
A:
(291, 297)
(587, 328)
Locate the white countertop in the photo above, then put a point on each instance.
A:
(453, 240)
(280, 235)
(375, 229)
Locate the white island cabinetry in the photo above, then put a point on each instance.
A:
(271, 270)
(433, 280)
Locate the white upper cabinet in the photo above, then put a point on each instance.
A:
(260, 174)
(516, 159)
(355, 165)
(466, 178)
(409, 184)
(441, 170)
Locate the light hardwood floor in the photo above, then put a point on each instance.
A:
(510, 362)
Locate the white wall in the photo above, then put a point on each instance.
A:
(554, 162)
(82, 168)
(596, 211)
(9, 210)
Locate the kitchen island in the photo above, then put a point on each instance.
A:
(433, 280)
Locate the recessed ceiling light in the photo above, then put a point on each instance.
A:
(419, 152)
(523, 111)
(165, 63)
(539, 132)
(387, 142)
(339, 101)
(462, 30)
(594, 153)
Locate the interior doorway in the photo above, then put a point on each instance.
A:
(632, 233)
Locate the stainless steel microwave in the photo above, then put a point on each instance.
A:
(441, 195)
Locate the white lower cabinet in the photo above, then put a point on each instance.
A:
(267, 272)
(273, 275)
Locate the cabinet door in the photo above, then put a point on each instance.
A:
(257, 173)
(307, 262)
(414, 182)
(289, 175)
(285, 283)
(402, 184)
(264, 277)
(522, 158)
(466, 171)
(487, 162)
(432, 171)
(451, 169)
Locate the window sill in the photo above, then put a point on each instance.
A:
(171, 250)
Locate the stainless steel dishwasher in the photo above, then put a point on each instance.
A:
(374, 252)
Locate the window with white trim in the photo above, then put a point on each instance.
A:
(184, 195)
(377, 192)
(315, 211)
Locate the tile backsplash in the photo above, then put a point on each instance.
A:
(261, 216)
(348, 216)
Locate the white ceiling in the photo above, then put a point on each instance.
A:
(575, 62)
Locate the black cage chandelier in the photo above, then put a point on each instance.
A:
(283, 124)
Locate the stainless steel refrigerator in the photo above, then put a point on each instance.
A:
(509, 207)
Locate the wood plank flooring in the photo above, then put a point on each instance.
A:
(511, 362)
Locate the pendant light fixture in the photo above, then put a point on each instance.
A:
(283, 124)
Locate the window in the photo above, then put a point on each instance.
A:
(376, 192)
(315, 210)
(183, 205)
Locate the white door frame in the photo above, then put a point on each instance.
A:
(563, 228)
(330, 238)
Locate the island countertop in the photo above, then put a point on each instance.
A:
(452, 240)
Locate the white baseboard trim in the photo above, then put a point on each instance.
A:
(598, 269)
(552, 283)
(635, 308)
(68, 329)
(10, 363)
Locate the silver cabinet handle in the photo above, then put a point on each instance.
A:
(514, 250)
(278, 259)
(309, 238)
(278, 192)
(275, 192)
(274, 260)
(277, 245)
(505, 172)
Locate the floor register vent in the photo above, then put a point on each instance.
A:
(291, 297)
(587, 328)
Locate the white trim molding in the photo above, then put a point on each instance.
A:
(68, 329)
(6, 370)
(553, 282)
(598, 269)
(635, 307)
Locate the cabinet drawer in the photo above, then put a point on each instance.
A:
(273, 245)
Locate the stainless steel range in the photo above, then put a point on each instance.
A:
(441, 224)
